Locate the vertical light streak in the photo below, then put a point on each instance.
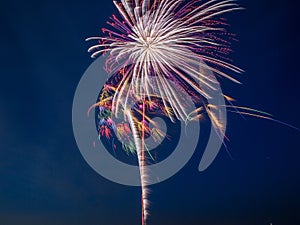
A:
(139, 144)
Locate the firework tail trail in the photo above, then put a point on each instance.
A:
(140, 147)
(142, 168)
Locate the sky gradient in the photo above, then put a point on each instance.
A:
(43, 178)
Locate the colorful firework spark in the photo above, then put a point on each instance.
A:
(155, 42)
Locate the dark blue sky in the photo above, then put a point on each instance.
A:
(43, 178)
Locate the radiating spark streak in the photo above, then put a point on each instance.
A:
(266, 118)
(97, 104)
(228, 98)
(248, 109)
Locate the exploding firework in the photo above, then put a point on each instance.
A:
(159, 43)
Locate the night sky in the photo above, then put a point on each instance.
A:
(43, 178)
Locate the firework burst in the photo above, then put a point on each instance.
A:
(155, 42)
